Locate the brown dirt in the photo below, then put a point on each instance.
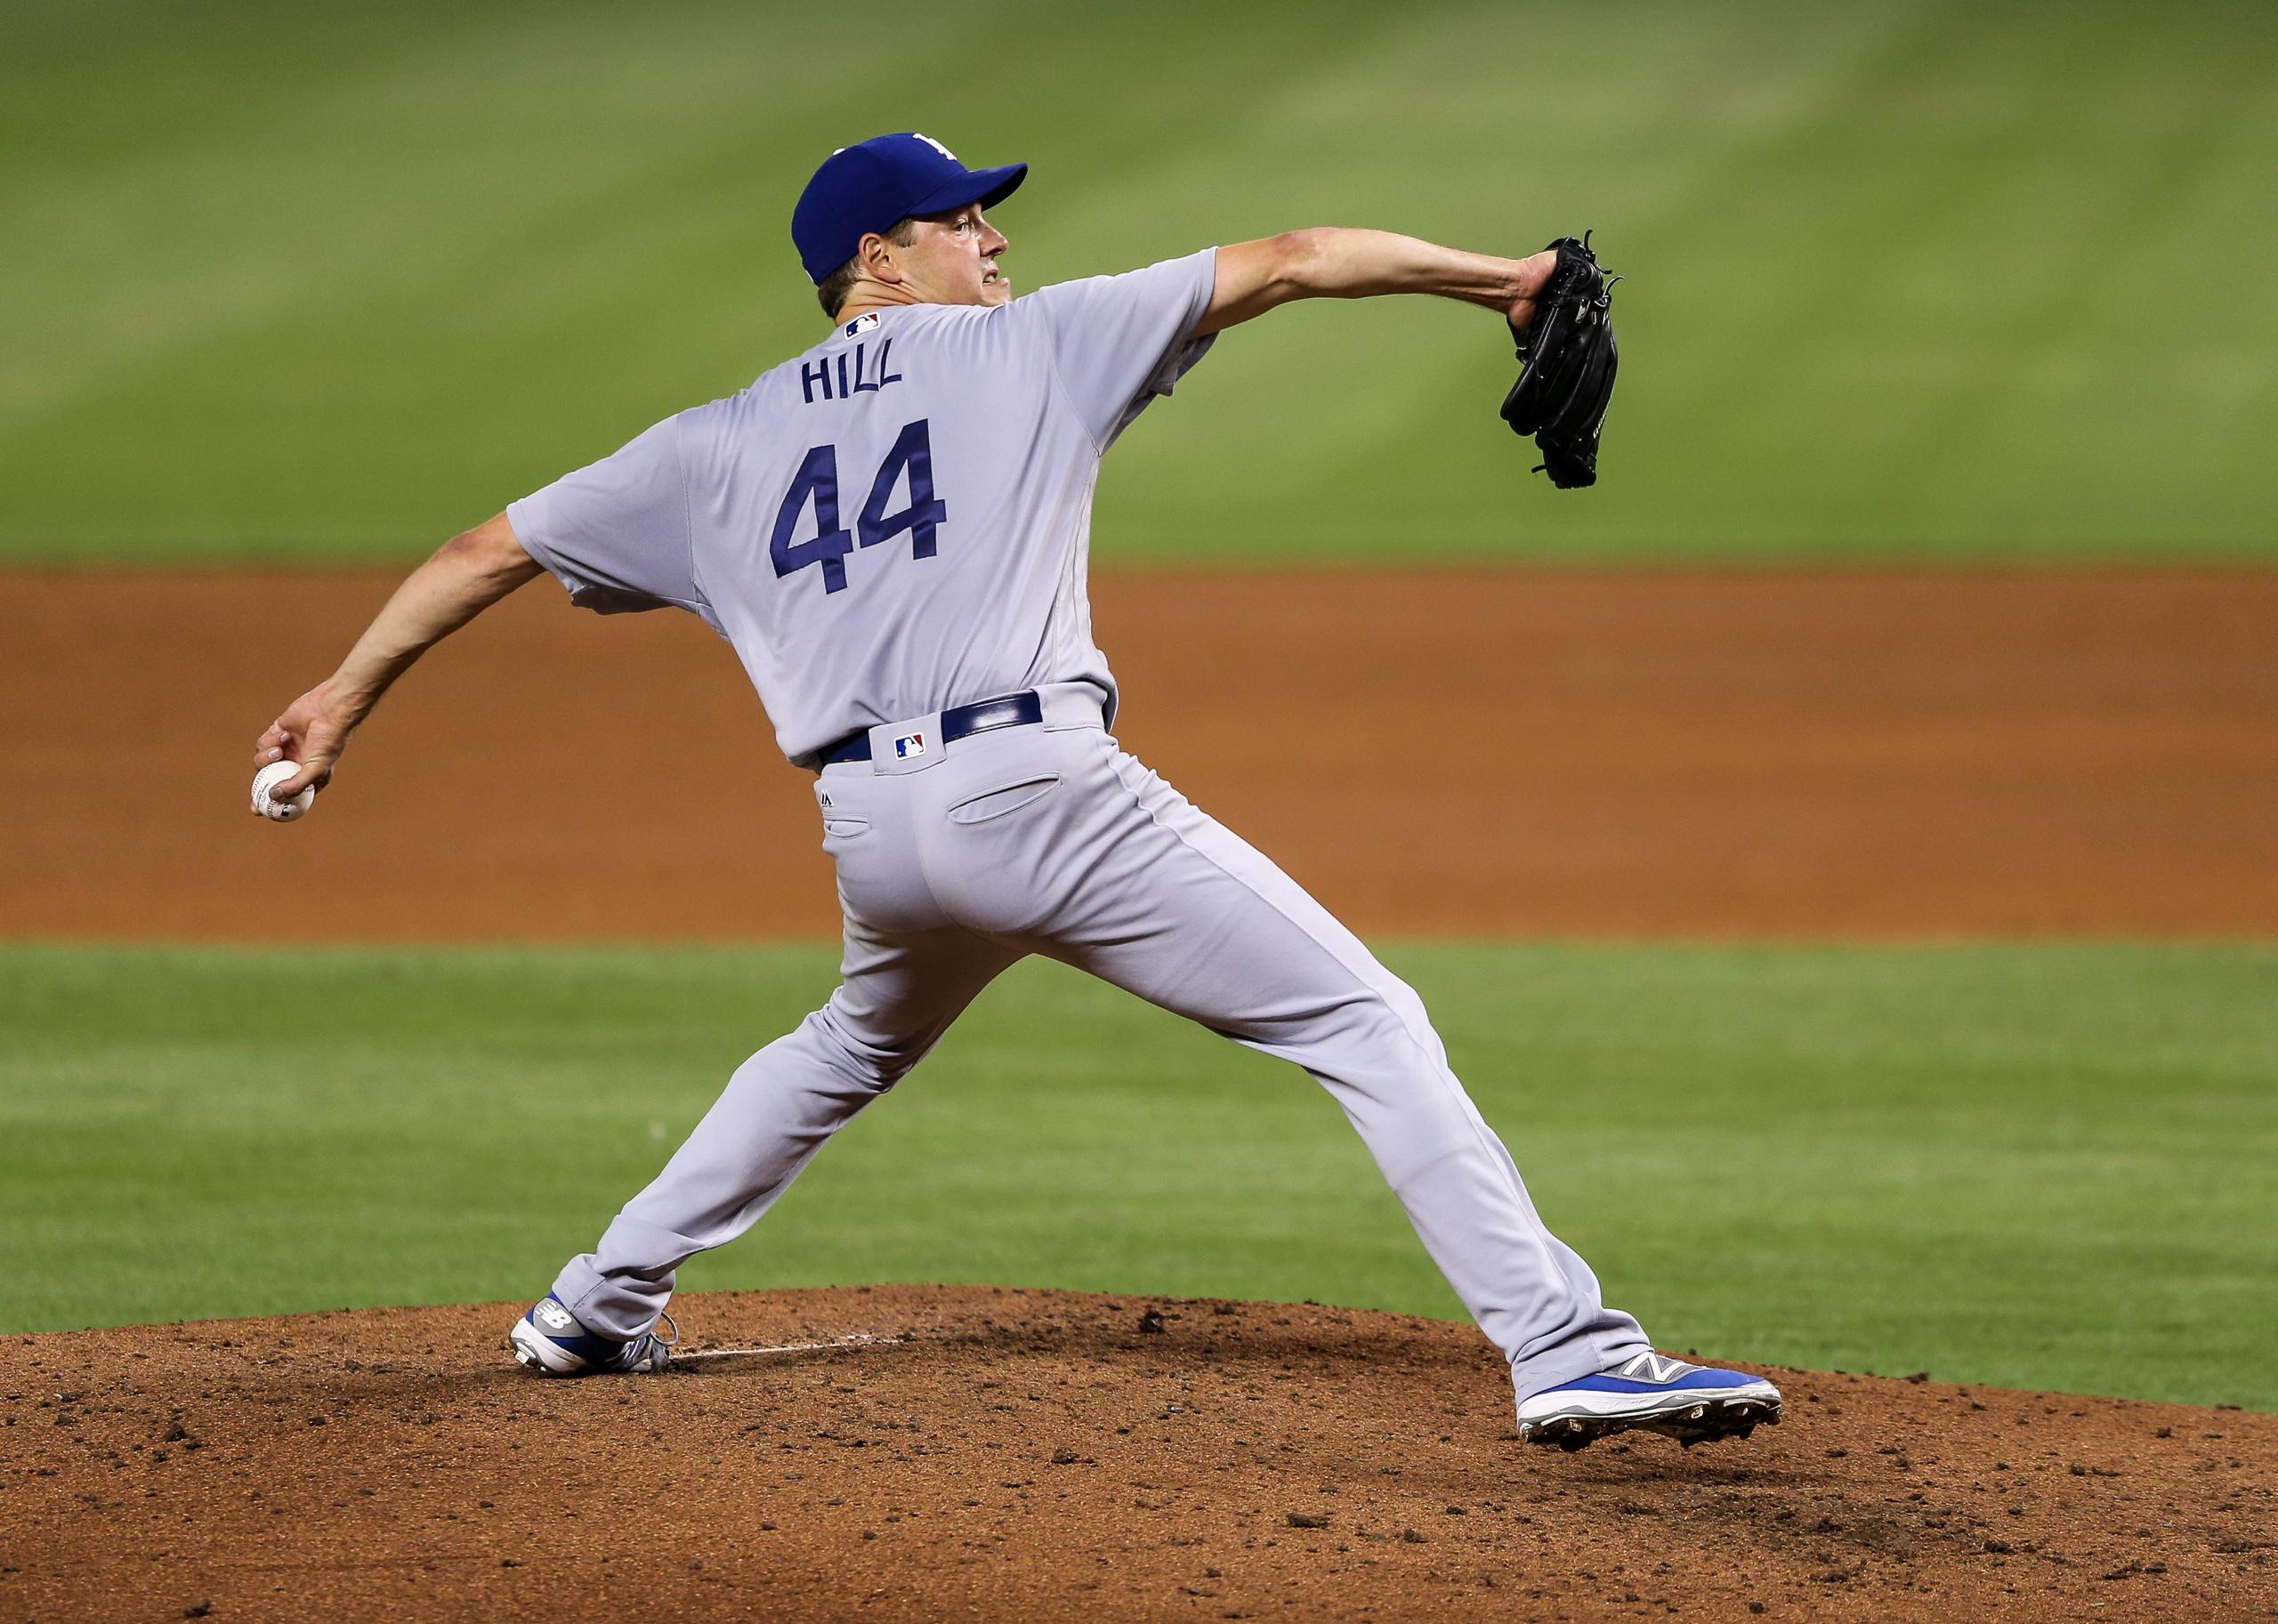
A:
(1032, 1454)
(1834, 755)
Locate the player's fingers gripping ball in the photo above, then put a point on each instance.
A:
(268, 779)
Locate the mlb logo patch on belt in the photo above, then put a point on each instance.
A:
(909, 745)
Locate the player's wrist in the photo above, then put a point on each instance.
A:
(341, 703)
(1532, 274)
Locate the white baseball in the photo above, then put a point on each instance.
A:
(274, 775)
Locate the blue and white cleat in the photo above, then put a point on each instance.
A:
(550, 1340)
(1691, 1404)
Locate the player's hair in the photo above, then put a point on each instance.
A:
(833, 289)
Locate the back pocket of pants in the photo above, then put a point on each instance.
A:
(1010, 798)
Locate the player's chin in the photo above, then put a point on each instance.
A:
(996, 288)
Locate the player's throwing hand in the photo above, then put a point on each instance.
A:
(310, 733)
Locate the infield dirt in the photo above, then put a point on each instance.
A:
(1454, 753)
(1044, 1455)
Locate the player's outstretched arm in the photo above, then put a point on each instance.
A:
(467, 575)
(1341, 262)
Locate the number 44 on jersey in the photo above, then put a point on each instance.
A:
(818, 480)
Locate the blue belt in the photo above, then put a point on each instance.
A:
(959, 722)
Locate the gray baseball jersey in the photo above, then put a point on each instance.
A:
(898, 520)
(895, 523)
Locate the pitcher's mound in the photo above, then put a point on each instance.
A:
(993, 1453)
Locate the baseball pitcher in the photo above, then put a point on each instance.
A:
(893, 531)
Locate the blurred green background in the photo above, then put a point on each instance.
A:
(2040, 1166)
(1943, 281)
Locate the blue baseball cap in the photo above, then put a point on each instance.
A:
(868, 187)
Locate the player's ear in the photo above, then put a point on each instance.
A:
(875, 254)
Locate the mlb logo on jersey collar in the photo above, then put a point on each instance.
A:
(860, 325)
(909, 745)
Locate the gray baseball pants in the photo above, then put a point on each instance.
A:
(954, 864)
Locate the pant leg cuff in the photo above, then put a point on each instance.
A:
(603, 1307)
(1571, 1363)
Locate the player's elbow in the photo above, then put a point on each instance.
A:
(492, 550)
(1328, 261)
(1300, 263)
(1256, 277)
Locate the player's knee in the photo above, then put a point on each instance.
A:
(860, 1061)
(1388, 1021)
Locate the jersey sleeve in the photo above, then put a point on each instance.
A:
(616, 533)
(1118, 342)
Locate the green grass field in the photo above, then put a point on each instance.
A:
(1915, 279)
(2042, 1166)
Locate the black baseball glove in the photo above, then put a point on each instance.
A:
(1567, 380)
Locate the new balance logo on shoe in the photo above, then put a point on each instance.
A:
(1652, 1367)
